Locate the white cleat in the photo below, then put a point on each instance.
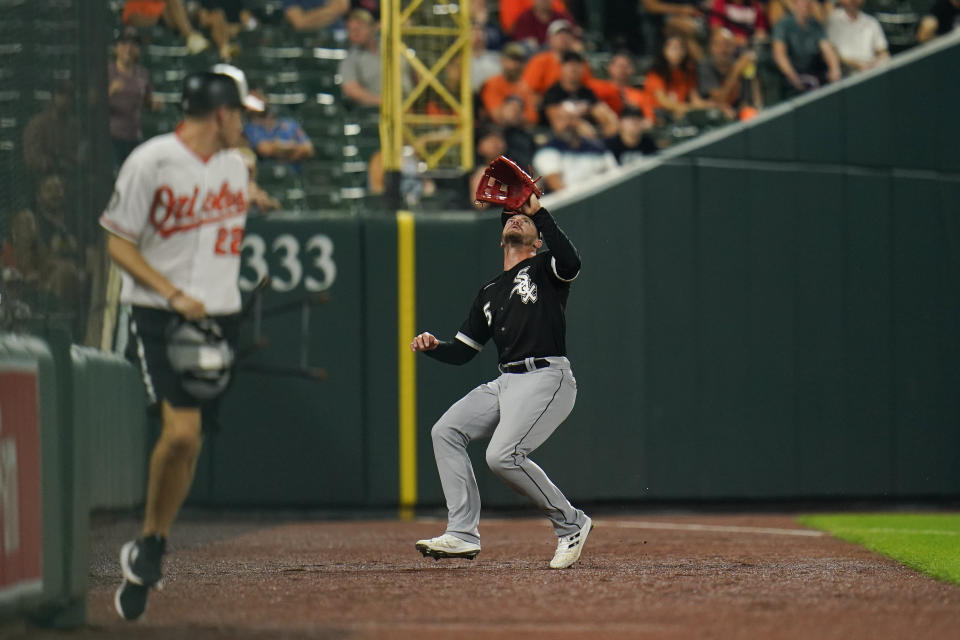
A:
(570, 547)
(448, 546)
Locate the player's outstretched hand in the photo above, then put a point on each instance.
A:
(424, 342)
(531, 206)
(188, 307)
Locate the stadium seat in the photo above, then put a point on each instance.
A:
(165, 54)
(156, 123)
(168, 80)
(321, 106)
(54, 31)
(12, 29)
(318, 198)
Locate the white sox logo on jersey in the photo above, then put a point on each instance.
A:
(172, 213)
(524, 287)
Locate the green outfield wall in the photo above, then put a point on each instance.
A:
(768, 312)
(72, 437)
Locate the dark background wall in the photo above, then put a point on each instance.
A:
(768, 313)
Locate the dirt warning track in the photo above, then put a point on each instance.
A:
(665, 576)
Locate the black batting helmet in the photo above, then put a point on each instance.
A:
(223, 86)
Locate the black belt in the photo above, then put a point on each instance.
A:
(521, 367)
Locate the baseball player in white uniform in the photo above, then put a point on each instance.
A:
(175, 224)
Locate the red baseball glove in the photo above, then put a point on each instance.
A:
(505, 184)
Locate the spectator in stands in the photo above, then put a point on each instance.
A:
(672, 80)
(278, 140)
(146, 13)
(484, 64)
(543, 69)
(675, 17)
(53, 228)
(361, 69)
(129, 91)
(497, 89)
(516, 132)
(480, 14)
(372, 6)
(745, 19)
(569, 95)
(632, 141)
(23, 257)
(569, 158)
(260, 200)
(857, 37)
(617, 91)
(778, 9)
(511, 10)
(50, 140)
(490, 144)
(224, 20)
(802, 52)
(727, 81)
(314, 15)
(43, 251)
(944, 17)
(531, 26)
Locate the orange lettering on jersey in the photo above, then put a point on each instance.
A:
(162, 201)
(171, 213)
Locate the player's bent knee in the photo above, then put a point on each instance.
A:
(501, 462)
(182, 433)
(182, 443)
(445, 432)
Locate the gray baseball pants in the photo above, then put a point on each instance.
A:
(518, 412)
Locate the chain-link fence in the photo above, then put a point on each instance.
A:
(55, 160)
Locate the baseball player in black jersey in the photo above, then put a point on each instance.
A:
(522, 309)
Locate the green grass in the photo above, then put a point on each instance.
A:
(927, 542)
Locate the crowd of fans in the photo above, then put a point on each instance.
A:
(537, 96)
(538, 99)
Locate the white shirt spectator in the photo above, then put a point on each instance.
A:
(857, 39)
(573, 164)
(483, 65)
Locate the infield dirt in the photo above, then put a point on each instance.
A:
(664, 576)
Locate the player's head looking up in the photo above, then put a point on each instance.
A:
(519, 231)
(213, 103)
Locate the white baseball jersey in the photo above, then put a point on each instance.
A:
(187, 215)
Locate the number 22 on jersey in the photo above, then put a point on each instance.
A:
(229, 241)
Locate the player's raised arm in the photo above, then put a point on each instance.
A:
(564, 253)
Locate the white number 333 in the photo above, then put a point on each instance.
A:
(319, 274)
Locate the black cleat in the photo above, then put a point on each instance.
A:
(130, 600)
(141, 563)
(141, 560)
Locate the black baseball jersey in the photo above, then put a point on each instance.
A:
(522, 310)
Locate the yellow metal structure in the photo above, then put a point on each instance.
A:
(407, 373)
(427, 101)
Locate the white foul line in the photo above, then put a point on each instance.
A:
(676, 526)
